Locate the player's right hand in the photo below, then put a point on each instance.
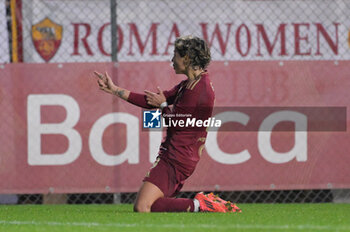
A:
(105, 82)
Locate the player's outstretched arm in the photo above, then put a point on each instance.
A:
(106, 84)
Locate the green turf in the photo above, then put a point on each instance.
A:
(255, 217)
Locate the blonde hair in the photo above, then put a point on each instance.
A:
(195, 48)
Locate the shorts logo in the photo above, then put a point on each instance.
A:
(47, 36)
(151, 119)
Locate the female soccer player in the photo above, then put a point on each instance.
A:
(179, 153)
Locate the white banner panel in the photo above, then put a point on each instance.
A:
(79, 31)
(4, 35)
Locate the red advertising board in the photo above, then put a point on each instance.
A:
(60, 133)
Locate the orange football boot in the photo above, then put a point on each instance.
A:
(207, 204)
(229, 207)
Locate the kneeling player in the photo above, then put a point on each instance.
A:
(179, 153)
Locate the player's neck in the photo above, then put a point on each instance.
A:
(193, 75)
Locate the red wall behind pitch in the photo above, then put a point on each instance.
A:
(270, 83)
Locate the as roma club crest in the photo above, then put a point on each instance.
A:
(47, 36)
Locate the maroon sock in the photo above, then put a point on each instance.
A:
(173, 205)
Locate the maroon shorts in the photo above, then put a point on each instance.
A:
(164, 175)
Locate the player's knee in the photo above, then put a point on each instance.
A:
(142, 207)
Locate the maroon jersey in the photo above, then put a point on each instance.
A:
(182, 146)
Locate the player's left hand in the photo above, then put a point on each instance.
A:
(155, 99)
(105, 82)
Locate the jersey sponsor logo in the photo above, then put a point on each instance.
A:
(151, 119)
(47, 36)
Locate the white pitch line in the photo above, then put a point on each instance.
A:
(177, 226)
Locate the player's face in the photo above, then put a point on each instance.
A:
(178, 63)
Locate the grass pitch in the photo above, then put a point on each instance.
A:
(255, 217)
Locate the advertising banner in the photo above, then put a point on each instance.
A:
(61, 134)
(73, 31)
